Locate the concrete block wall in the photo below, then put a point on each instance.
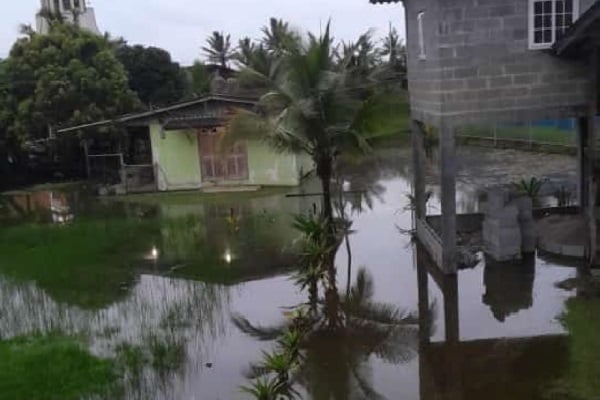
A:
(479, 66)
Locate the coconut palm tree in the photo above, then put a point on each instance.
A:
(311, 107)
(278, 37)
(333, 365)
(395, 51)
(219, 49)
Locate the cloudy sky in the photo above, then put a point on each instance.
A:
(181, 26)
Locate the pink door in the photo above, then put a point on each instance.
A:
(217, 165)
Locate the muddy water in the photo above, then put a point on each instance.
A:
(491, 333)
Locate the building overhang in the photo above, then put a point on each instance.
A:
(581, 37)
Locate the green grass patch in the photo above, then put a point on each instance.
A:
(583, 379)
(87, 263)
(52, 368)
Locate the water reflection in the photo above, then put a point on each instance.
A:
(519, 368)
(161, 317)
(490, 332)
(509, 286)
(336, 357)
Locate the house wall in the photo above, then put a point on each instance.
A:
(479, 66)
(176, 159)
(268, 167)
(177, 162)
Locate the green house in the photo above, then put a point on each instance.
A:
(179, 148)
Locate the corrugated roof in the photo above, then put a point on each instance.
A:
(173, 107)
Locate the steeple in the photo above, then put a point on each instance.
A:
(71, 11)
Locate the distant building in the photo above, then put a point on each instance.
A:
(71, 10)
(178, 147)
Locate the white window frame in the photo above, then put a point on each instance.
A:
(421, 33)
(531, 28)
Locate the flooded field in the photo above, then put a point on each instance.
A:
(181, 286)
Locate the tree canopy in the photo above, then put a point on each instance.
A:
(66, 77)
(155, 78)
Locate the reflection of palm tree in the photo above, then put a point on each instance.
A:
(334, 363)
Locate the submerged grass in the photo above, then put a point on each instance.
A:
(85, 264)
(53, 368)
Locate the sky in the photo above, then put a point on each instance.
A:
(181, 26)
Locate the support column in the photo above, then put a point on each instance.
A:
(423, 295)
(418, 169)
(451, 314)
(591, 155)
(448, 185)
(583, 172)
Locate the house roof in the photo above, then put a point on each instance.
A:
(584, 32)
(144, 115)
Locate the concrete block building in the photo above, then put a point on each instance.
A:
(487, 61)
(70, 10)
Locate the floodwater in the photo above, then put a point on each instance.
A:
(493, 332)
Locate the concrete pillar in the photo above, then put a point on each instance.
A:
(592, 180)
(583, 172)
(447, 145)
(451, 314)
(418, 151)
(423, 290)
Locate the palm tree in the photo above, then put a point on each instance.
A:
(219, 49)
(279, 37)
(395, 51)
(311, 107)
(245, 51)
(333, 363)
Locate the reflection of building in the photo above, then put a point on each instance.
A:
(74, 11)
(509, 287)
(47, 204)
(491, 369)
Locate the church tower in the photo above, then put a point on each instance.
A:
(71, 10)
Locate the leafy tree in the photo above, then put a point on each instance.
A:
(219, 49)
(155, 78)
(66, 77)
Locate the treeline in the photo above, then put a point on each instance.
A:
(71, 76)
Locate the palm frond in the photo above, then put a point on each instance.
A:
(261, 333)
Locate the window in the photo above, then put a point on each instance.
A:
(420, 18)
(66, 5)
(549, 20)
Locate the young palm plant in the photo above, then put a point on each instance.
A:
(313, 107)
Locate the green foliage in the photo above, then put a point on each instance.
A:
(52, 368)
(93, 257)
(531, 187)
(583, 378)
(66, 77)
(199, 80)
(155, 78)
